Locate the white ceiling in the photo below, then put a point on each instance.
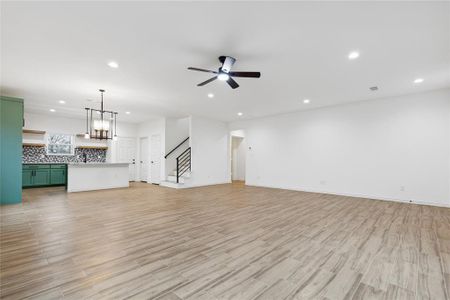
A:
(53, 51)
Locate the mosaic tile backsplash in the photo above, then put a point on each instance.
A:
(39, 155)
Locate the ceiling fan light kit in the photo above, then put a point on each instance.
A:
(224, 72)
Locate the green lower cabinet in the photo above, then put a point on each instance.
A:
(57, 176)
(43, 175)
(27, 178)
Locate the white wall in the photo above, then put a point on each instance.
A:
(210, 146)
(58, 124)
(176, 131)
(394, 149)
(67, 125)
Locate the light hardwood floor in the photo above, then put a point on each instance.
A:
(221, 242)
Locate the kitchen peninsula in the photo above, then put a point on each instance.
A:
(96, 176)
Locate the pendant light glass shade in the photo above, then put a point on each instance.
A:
(101, 125)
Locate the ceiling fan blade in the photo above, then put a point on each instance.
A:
(232, 83)
(245, 74)
(207, 81)
(201, 70)
(227, 63)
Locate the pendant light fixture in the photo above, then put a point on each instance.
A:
(101, 124)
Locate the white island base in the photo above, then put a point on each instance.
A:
(96, 176)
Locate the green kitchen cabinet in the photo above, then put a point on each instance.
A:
(57, 176)
(27, 178)
(41, 177)
(11, 122)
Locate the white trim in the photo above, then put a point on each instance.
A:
(213, 183)
(175, 185)
(364, 196)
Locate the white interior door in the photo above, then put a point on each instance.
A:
(127, 154)
(155, 163)
(143, 159)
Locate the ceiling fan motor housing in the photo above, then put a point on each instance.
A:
(227, 63)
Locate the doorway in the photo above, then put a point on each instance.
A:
(127, 154)
(238, 155)
(155, 166)
(143, 159)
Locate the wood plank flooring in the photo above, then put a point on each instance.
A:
(221, 242)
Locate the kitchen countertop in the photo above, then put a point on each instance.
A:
(75, 163)
(46, 163)
(95, 164)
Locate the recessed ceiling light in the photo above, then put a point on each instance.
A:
(62, 102)
(113, 64)
(239, 114)
(223, 77)
(306, 101)
(418, 80)
(353, 55)
(52, 110)
(127, 112)
(210, 95)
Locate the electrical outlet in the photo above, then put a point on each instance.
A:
(323, 182)
(402, 188)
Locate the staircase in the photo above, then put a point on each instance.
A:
(183, 180)
(179, 177)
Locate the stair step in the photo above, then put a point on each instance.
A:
(185, 175)
(173, 178)
(172, 185)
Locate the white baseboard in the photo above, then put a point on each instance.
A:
(188, 186)
(208, 184)
(365, 196)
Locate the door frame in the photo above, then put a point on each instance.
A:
(240, 133)
(152, 158)
(141, 155)
(136, 143)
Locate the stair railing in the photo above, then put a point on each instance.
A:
(176, 147)
(183, 163)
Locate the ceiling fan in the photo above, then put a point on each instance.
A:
(224, 73)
